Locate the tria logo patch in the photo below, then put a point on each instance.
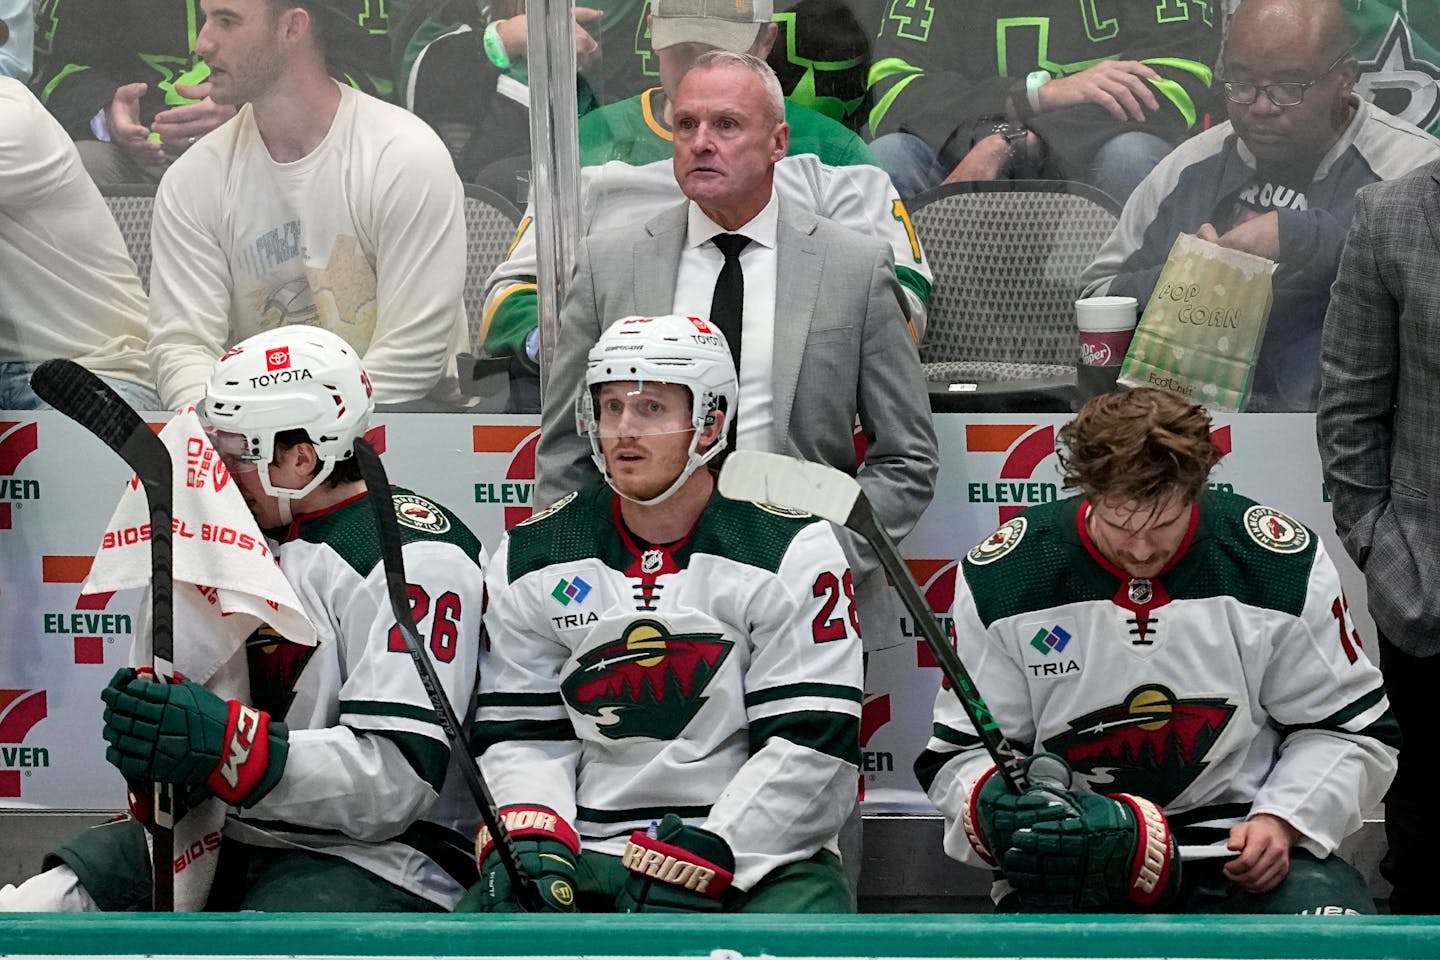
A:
(1152, 744)
(1057, 638)
(571, 591)
(277, 358)
(648, 683)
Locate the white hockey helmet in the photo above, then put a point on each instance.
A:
(670, 349)
(294, 377)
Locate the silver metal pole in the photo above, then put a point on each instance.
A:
(555, 160)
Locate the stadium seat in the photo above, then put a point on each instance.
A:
(131, 206)
(1007, 257)
(490, 222)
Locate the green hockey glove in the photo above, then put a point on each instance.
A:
(991, 813)
(678, 870)
(547, 848)
(180, 733)
(1114, 853)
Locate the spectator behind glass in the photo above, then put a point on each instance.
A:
(317, 204)
(67, 286)
(1379, 432)
(463, 70)
(1103, 96)
(17, 50)
(840, 180)
(1204, 740)
(822, 56)
(1277, 181)
(120, 76)
(1399, 54)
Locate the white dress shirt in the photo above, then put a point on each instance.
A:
(700, 263)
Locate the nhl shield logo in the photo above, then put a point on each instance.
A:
(1140, 591)
(1005, 538)
(651, 561)
(417, 513)
(1274, 531)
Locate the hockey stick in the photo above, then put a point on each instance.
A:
(835, 496)
(86, 399)
(377, 485)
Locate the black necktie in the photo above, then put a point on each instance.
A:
(728, 304)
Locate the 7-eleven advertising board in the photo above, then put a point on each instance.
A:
(58, 486)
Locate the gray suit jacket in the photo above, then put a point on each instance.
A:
(842, 347)
(1379, 416)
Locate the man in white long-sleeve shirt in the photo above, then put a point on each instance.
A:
(316, 204)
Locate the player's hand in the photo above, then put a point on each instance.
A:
(681, 869)
(180, 733)
(992, 813)
(1264, 842)
(122, 119)
(1258, 235)
(179, 127)
(1116, 853)
(547, 847)
(1122, 87)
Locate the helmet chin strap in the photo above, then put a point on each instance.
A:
(285, 495)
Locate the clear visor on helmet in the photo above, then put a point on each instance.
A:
(234, 449)
(637, 409)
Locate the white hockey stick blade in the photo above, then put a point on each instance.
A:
(783, 481)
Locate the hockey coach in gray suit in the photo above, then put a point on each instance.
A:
(818, 307)
(1379, 432)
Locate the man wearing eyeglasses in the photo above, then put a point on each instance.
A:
(1278, 180)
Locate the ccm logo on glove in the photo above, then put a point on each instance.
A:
(247, 753)
(674, 865)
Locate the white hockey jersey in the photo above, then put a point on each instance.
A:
(717, 678)
(1232, 684)
(366, 777)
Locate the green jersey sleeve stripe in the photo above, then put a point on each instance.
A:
(485, 735)
(520, 700)
(427, 757)
(950, 735)
(912, 281)
(928, 764)
(833, 734)
(789, 691)
(595, 815)
(371, 708)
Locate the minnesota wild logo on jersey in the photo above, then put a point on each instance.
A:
(647, 683)
(275, 666)
(1151, 744)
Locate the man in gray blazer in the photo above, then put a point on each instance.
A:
(824, 318)
(1379, 431)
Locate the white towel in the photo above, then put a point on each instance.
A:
(226, 583)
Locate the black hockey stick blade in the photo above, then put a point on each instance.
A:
(832, 495)
(377, 485)
(89, 401)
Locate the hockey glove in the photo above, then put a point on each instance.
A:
(992, 813)
(547, 847)
(1113, 854)
(182, 734)
(678, 870)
